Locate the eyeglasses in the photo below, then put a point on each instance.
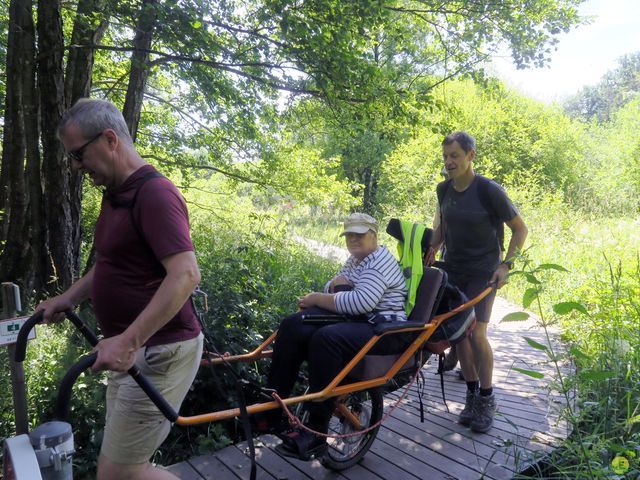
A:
(78, 153)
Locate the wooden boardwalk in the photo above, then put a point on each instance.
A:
(526, 427)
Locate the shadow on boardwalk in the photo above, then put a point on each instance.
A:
(526, 427)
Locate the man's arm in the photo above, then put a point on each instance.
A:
(317, 299)
(118, 353)
(436, 244)
(519, 233)
(77, 293)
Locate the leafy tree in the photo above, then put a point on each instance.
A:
(519, 142)
(617, 88)
(209, 75)
(423, 46)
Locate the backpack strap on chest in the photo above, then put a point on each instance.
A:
(129, 203)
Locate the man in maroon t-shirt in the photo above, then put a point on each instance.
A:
(140, 286)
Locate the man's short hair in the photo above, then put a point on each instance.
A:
(93, 116)
(466, 141)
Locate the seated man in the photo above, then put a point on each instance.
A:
(369, 288)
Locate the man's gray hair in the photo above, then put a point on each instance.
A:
(93, 116)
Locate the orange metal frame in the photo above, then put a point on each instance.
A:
(334, 388)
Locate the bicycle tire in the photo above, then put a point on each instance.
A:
(343, 453)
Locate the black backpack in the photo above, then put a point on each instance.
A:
(454, 329)
(485, 201)
(450, 332)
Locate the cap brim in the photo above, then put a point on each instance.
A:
(355, 229)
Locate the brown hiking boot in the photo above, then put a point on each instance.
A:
(467, 413)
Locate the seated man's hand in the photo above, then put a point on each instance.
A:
(308, 301)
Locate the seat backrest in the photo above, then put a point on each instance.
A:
(429, 293)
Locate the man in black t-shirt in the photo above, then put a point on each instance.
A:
(472, 210)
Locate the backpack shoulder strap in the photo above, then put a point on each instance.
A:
(485, 200)
(133, 200)
(441, 191)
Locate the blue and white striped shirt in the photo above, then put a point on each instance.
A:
(378, 286)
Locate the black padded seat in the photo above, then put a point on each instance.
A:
(427, 298)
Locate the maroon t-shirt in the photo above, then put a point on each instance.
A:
(127, 271)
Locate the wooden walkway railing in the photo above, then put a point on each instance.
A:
(526, 427)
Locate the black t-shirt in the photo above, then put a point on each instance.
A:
(471, 239)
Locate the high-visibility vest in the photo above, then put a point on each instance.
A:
(410, 253)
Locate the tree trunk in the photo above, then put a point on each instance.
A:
(14, 189)
(88, 29)
(35, 233)
(61, 209)
(139, 65)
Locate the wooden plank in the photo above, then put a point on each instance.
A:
(312, 469)
(205, 466)
(240, 464)
(184, 471)
(441, 447)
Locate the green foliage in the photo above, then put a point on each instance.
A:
(617, 88)
(602, 393)
(612, 162)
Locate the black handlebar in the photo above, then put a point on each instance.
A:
(64, 392)
(23, 336)
(88, 334)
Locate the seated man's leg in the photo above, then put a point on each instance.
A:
(290, 350)
(331, 348)
(135, 428)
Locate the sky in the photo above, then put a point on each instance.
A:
(583, 55)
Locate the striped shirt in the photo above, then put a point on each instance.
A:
(378, 286)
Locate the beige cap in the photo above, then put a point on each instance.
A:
(359, 223)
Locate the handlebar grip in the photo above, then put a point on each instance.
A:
(23, 336)
(86, 333)
(64, 391)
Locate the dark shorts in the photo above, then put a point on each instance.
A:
(472, 286)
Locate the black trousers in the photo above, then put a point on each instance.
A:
(327, 348)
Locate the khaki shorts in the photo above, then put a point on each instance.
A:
(135, 428)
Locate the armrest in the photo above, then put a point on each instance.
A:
(384, 327)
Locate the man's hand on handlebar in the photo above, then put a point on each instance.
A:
(114, 354)
(53, 309)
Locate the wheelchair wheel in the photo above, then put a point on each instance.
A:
(366, 406)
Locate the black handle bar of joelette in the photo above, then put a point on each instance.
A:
(64, 392)
(23, 334)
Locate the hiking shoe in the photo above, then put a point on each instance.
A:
(302, 444)
(450, 360)
(467, 413)
(484, 411)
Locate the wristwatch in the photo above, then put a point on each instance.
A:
(509, 264)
